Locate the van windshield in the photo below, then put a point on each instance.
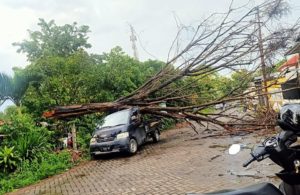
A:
(117, 118)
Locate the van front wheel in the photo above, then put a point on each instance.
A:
(132, 149)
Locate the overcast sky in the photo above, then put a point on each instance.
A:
(153, 21)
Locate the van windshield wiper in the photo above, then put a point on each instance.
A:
(105, 127)
(119, 124)
(112, 126)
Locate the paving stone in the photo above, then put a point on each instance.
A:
(177, 165)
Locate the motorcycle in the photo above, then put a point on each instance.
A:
(282, 150)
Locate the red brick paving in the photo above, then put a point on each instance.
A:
(182, 162)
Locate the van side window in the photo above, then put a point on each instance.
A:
(136, 117)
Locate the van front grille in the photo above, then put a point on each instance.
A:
(105, 139)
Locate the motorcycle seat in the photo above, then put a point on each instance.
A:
(258, 189)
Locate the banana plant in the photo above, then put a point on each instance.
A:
(8, 159)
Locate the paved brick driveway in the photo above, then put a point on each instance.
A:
(182, 162)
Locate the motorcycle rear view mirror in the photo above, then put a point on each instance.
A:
(234, 149)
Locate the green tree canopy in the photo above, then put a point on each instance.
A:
(54, 40)
(84, 78)
(239, 81)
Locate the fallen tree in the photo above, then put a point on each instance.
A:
(221, 42)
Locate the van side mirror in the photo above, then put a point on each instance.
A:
(134, 118)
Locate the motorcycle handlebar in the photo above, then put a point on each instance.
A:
(257, 154)
(285, 138)
(249, 161)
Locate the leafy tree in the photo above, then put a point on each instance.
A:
(62, 81)
(238, 82)
(50, 41)
(83, 78)
(208, 88)
(120, 74)
(61, 72)
(53, 40)
(214, 86)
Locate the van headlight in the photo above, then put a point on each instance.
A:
(93, 140)
(122, 135)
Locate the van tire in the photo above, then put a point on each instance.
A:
(156, 136)
(133, 146)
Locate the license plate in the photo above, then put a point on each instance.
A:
(105, 149)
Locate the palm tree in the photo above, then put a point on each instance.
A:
(12, 88)
(6, 88)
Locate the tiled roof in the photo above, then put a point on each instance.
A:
(293, 61)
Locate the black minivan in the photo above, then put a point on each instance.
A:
(122, 131)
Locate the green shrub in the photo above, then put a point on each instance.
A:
(167, 123)
(8, 159)
(30, 172)
(24, 135)
(31, 144)
(83, 140)
(85, 127)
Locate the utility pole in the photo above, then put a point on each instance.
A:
(133, 40)
(263, 63)
(297, 71)
(74, 137)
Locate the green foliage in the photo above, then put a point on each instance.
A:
(82, 78)
(206, 88)
(5, 87)
(167, 123)
(238, 82)
(63, 81)
(85, 126)
(60, 72)
(53, 40)
(8, 159)
(32, 171)
(23, 134)
(50, 41)
(32, 144)
(119, 75)
(21, 81)
(13, 88)
(277, 65)
(209, 110)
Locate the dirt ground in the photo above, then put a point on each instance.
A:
(182, 162)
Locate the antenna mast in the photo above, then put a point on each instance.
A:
(133, 40)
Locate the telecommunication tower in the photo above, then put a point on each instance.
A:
(133, 40)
